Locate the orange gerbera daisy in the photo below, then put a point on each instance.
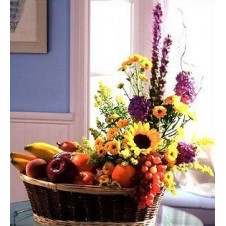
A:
(114, 147)
(122, 123)
(101, 152)
(112, 133)
(159, 111)
(98, 143)
(168, 100)
(125, 65)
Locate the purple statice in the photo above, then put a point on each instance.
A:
(139, 108)
(185, 87)
(186, 153)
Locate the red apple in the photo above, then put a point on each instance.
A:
(63, 155)
(81, 161)
(84, 178)
(68, 146)
(61, 170)
(36, 168)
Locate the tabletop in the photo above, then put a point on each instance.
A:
(21, 215)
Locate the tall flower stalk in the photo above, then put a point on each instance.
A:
(163, 68)
(157, 21)
(159, 69)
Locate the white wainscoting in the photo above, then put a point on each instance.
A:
(28, 127)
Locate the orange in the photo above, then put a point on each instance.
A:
(124, 175)
(81, 160)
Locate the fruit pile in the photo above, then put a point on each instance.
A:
(65, 164)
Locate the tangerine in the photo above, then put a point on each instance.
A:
(124, 175)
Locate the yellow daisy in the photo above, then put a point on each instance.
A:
(168, 178)
(141, 137)
(171, 153)
(146, 65)
(143, 77)
(135, 57)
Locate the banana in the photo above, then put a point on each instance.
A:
(43, 150)
(19, 163)
(21, 155)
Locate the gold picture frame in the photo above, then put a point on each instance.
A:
(30, 35)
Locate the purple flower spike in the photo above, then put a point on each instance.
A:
(185, 87)
(157, 17)
(163, 68)
(159, 67)
(186, 153)
(139, 108)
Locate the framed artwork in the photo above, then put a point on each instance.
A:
(28, 33)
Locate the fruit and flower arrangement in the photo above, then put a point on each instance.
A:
(138, 142)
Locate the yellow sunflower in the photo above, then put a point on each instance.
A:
(141, 137)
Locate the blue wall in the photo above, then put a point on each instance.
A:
(40, 82)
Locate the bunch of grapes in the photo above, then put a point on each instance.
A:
(151, 174)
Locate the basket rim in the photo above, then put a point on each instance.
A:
(85, 189)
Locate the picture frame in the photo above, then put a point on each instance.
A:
(30, 35)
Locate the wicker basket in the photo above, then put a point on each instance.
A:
(70, 204)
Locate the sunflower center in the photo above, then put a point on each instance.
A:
(142, 141)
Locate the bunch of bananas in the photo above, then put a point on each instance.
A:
(37, 150)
